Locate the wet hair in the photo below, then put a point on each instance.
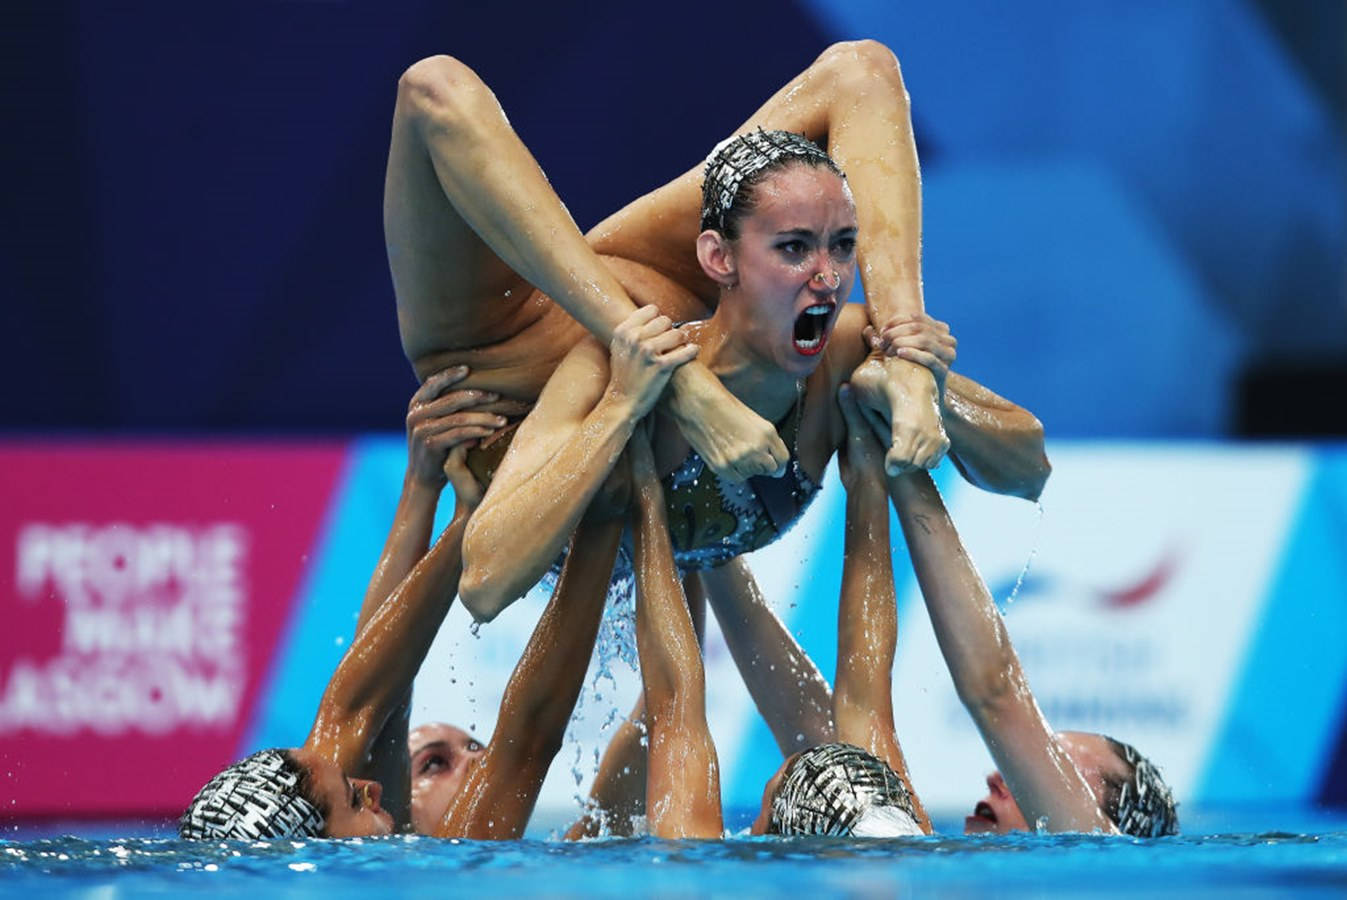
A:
(839, 789)
(266, 795)
(1139, 803)
(739, 164)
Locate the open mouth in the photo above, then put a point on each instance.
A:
(983, 819)
(811, 328)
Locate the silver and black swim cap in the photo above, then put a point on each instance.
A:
(256, 798)
(738, 162)
(839, 789)
(1143, 805)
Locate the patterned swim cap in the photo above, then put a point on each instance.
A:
(737, 161)
(838, 789)
(1141, 805)
(255, 798)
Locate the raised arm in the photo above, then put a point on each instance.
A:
(790, 692)
(995, 444)
(363, 716)
(683, 781)
(867, 612)
(562, 454)
(373, 680)
(436, 423)
(986, 671)
(502, 786)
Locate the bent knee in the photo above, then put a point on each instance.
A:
(862, 64)
(442, 88)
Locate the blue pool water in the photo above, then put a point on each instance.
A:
(1250, 864)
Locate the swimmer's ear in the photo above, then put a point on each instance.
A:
(716, 255)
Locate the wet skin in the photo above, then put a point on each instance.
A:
(441, 755)
(351, 805)
(998, 813)
(795, 251)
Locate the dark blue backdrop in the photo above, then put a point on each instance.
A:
(1136, 198)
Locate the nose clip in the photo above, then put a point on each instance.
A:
(829, 282)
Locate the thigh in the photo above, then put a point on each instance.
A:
(453, 292)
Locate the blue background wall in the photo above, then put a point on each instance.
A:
(1127, 204)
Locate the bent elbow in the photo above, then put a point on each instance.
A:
(480, 595)
(1036, 479)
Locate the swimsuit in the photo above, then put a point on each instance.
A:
(711, 521)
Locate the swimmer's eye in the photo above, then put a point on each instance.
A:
(793, 247)
(843, 248)
(433, 763)
(474, 747)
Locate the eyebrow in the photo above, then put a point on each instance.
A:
(429, 744)
(807, 232)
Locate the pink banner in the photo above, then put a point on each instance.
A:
(144, 589)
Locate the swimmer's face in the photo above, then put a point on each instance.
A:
(764, 819)
(998, 813)
(350, 805)
(440, 756)
(794, 264)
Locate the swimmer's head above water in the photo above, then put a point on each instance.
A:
(280, 793)
(440, 755)
(1128, 786)
(779, 230)
(837, 790)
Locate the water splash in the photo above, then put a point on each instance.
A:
(1029, 561)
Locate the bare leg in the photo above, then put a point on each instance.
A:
(853, 101)
(470, 222)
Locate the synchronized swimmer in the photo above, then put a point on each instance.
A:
(559, 390)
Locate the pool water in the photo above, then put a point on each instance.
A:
(1267, 864)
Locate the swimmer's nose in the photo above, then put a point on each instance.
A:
(997, 785)
(826, 281)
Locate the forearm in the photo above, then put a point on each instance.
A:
(968, 627)
(377, 671)
(672, 674)
(683, 779)
(407, 541)
(788, 689)
(996, 444)
(867, 619)
(527, 517)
